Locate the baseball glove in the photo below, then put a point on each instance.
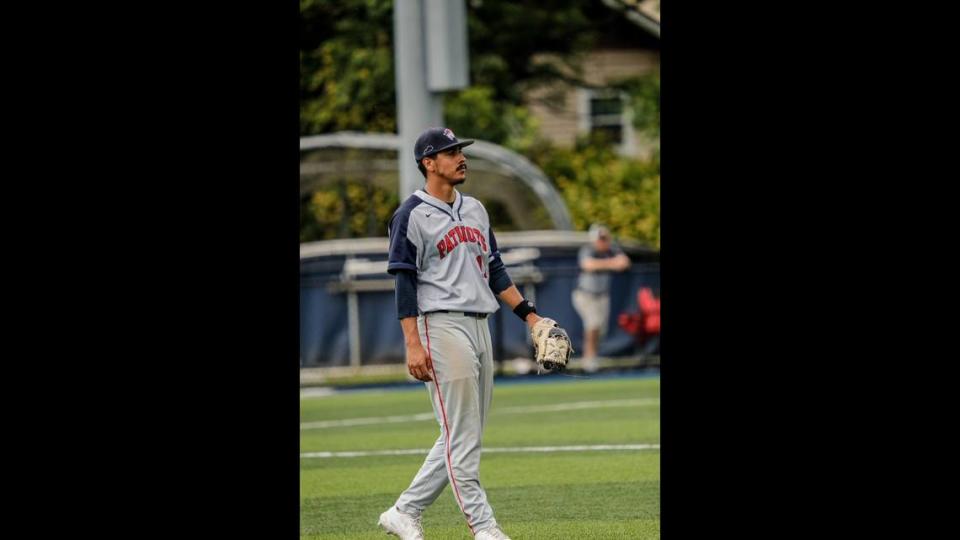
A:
(551, 344)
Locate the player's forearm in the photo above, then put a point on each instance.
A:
(512, 297)
(411, 335)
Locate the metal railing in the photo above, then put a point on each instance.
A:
(507, 161)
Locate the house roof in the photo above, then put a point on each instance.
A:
(643, 13)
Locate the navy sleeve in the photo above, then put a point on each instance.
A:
(499, 279)
(403, 253)
(406, 294)
(494, 250)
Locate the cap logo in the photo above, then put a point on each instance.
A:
(429, 148)
(449, 134)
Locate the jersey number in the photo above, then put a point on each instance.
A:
(480, 264)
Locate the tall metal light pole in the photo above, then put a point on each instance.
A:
(430, 56)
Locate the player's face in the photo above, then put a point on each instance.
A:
(602, 244)
(452, 165)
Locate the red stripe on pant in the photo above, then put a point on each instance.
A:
(446, 428)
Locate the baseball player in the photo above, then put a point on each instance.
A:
(448, 272)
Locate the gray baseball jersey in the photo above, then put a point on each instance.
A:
(450, 248)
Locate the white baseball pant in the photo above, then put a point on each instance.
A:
(461, 391)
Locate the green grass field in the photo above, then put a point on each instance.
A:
(561, 494)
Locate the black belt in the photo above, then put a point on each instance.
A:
(467, 313)
(590, 292)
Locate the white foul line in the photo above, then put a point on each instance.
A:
(422, 451)
(367, 421)
(576, 405)
(581, 405)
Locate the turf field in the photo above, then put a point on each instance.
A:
(584, 493)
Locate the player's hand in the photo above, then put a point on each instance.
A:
(532, 320)
(418, 363)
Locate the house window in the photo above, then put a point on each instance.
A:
(606, 111)
(606, 116)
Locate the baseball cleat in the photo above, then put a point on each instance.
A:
(400, 524)
(493, 533)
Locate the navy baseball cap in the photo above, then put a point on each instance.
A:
(435, 140)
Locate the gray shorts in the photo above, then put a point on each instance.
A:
(593, 308)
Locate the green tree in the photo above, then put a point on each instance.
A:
(346, 66)
(349, 209)
(346, 59)
(477, 112)
(644, 99)
(599, 185)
